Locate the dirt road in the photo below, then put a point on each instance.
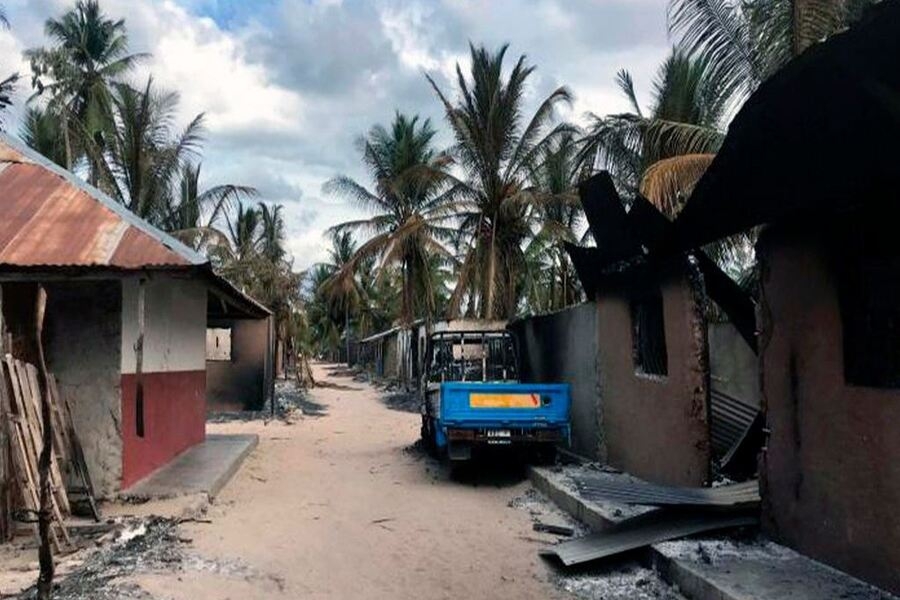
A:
(338, 506)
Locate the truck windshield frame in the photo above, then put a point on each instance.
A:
(472, 356)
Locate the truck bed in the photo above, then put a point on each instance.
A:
(476, 405)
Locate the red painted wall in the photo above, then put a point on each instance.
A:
(174, 420)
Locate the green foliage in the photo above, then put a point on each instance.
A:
(78, 72)
(496, 145)
(413, 200)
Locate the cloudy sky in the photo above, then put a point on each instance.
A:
(288, 85)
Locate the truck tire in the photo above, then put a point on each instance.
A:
(428, 440)
(545, 454)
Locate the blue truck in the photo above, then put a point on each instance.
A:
(471, 398)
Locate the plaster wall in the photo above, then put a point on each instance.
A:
(82, 345)
(656, 427)
(733, 366)
(173, 372)
(831, 469)
(562, 348)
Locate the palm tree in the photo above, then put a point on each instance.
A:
(144, 153)
(193, 215)
(42, 131)
(686, 118)
(746, 42)
(551, 283)
(78, 73)
(495, 144)
(324, 323)
(412, 201)
(243, 231)
(8, 85)
(7, 88)
(271, 235)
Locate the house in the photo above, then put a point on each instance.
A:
(240, 371)
(812, 159)
(645, 397)
(126, 315)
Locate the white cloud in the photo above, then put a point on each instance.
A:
(287, 89)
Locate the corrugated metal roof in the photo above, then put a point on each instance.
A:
(49, 217)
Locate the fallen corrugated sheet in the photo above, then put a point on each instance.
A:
(644, 530)
(616, 489)
(730, 420)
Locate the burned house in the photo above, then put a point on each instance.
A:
(240, 370)
(646, 398)
(127, 309)
(812, 160)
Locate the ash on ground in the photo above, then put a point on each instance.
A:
(291, 402)
(402, 401)
(144, 546)
(623, 579)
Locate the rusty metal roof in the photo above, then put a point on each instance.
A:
(50, 218)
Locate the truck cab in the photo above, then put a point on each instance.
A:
(471, 397)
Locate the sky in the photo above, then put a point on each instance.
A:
(287, 86)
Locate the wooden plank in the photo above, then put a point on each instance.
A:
(20, 455)
(28, 424)
(57, 484)
(76, 453)
(6, 473)
(19, 407)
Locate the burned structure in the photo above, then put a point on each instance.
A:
(240, 366)
(820, 178)
(126, 315)
(653, 407)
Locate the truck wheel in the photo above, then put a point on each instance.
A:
(428, 440)
(546, 454)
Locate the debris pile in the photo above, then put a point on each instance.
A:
(291, 403)
(678, 512)
(150, 545)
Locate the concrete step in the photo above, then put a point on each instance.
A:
(716, 567)
(202, 469)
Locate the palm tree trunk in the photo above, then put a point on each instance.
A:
(488, 309)
(347, 328)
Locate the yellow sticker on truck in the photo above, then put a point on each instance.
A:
(504, 400)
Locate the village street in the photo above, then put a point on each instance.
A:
(341, 506)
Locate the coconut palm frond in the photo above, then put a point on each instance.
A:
(7, 88)
(716, 30)
(669, 183)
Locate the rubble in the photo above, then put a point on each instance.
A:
(148, 545)
(291, 403)
(617, 580)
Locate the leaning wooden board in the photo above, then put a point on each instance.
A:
(26, 434)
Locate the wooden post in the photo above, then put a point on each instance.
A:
(45, 554)
(5, 470)
(139, 363)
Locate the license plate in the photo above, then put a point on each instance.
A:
(504, 400)
(498, 433)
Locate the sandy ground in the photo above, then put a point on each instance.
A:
(339, 506)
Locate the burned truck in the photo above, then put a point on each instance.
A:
(471, 397)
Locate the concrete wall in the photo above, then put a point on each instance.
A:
(173, 374)
(243, 382)
(83, 347)
(656, 427)
(831, 472)
(733, 366)
(562, 348)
